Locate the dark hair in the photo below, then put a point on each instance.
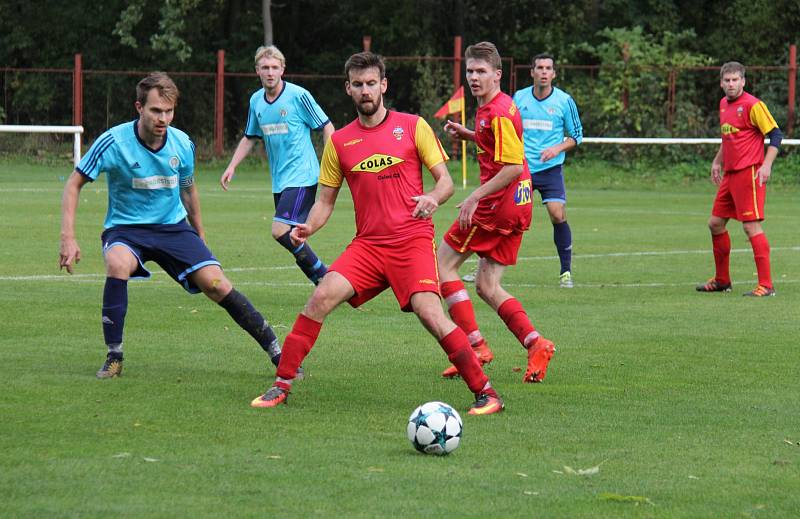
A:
(160, 80)
(485, 51)
(364, 60)
(730, 68)
(543, 55)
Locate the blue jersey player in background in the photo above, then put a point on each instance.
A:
(283, 114)
(548, 115)
(149, 168)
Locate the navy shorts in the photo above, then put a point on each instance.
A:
(177, 248)
(293, 204)
(550, 184)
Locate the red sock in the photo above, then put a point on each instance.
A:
(295, 348)
(721, 244)
(459, 306)
(761, 255)
(512, 313)
(456, 345)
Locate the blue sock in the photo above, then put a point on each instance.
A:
(251, 321)
(562, 236)
(305, 258)
(115, 306)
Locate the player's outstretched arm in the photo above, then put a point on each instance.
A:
(242, 150)
(318, 217)
(458, 131)
(69, 250)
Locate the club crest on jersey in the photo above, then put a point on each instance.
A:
(376, 163)
(284, 113)
(739, 110)
(398, 133)
(174, 162)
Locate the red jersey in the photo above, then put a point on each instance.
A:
(743, 122)
(498, 135)
(383, 168)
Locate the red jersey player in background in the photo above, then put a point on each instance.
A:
(380, 155)
(492, 218)
(744, 121)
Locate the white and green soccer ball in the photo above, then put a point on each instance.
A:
(435, 428)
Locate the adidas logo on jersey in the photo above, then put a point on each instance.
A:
(135, 165)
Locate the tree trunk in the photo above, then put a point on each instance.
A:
(266, 17)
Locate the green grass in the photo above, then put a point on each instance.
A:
(687, 402)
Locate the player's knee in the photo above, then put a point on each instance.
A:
(216, 288)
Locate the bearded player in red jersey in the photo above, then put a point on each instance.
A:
(744, 122)
(492, 218)
(380, 155)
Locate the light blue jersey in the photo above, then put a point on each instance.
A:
(143, 183)
(285, 126)
(544, 124)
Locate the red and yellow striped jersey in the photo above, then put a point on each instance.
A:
(743, 122)
(383, 168)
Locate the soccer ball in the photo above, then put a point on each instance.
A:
(435, 428)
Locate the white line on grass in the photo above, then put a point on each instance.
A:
(90, 277)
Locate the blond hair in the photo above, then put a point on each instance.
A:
(270, 51)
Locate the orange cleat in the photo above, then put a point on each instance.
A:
(272, 398)
(760, 291)
(539, 355)
(485, 356)
(486, 404)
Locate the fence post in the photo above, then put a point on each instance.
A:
(792, 87)
(671, 99)
(219, 105)
(77, 91)
(366, 42)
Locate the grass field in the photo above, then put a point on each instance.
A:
(687, 403)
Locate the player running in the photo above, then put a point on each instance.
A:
(380, 155)
(283, 115)
(744, 121)
(150, 171)
(493, 218)
(547, 114)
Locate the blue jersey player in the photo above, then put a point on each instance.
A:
(283, 114)
(149, 168)
(551, 127)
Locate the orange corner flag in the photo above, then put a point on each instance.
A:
(453, 105)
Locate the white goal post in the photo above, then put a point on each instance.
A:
(76, 131)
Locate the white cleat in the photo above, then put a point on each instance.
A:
(565, 280)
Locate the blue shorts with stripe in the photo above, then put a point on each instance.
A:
(293, 204)
(177, 248)
(550, 184)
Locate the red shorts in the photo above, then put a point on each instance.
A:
(502, 248)
(740, 196)
(407, 268)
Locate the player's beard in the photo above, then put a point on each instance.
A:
(376, 105)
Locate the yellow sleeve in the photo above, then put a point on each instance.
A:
(330, 170)
(428, 146)
(760, 117)
(508, 148)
